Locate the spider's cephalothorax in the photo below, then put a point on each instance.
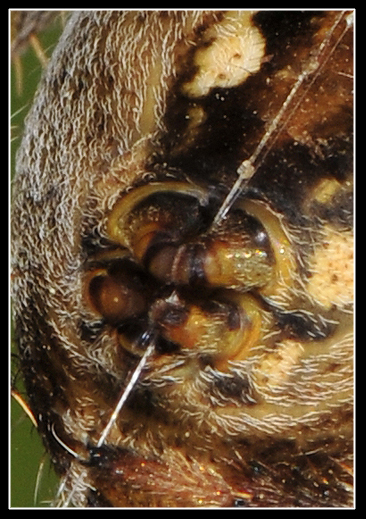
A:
(182, 228)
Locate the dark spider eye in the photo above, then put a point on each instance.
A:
(115, 298)
(158, 212)
(116, 288)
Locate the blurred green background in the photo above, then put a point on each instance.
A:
(28, 460)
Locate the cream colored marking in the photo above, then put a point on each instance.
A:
(325, 190)
(331, 266)
(148, 116)
(277, 366)
(236, 52)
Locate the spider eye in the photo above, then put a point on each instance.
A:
(156, 213)
(223, 330)
(115, 295)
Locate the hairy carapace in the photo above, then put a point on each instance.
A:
(182, 259)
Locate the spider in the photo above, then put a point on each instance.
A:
(182, 259)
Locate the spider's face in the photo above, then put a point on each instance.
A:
(183, 258)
